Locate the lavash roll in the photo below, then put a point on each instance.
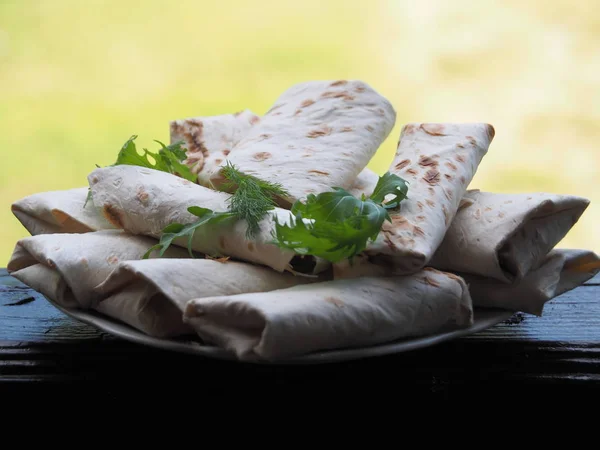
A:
(439, 161)
(208, 140)
(560, 271)
(59, 212)
(502, 236)
(144, 201)
(332, 315)
(82, 260)
(318, 135)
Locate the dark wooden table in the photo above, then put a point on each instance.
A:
(47, 355)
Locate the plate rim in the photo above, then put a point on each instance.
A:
(488, 317)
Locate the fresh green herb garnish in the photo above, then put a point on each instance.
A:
(252, 198)
(168, 159)
(206, 218)
(336, 225)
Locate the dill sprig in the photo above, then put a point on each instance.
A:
(252, 198)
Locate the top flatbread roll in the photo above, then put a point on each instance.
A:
(317, 135)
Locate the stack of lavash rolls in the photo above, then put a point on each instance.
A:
(447, 250)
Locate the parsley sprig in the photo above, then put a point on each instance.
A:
(336, 225)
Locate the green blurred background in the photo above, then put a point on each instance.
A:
(77, 78)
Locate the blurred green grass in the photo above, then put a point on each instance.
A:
(78, 78)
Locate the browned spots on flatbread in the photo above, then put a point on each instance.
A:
(344, 95)
(360, 89)
(448, 177)
(448, 194)
(113, 215)
(471, 140)
(425, 161)
(142, 196)
(318, 172)
(447, 218)
(463, 180)
(254, 120)
(278, 113)
(402, 164)
(250, 246)
(418, 231)
(275, 107)
(369, 128)
(407, 129)
(264, 136)
(420, 218)
(487, 208)
(306, 103)
(222, 242)
(433, 129)
(298, 111)
(381, 111)
(420, 206)
(346, 154)
(490, 131)
(94, 179)
(412, 172)
(226, 152)
(307, 155)
(218, 161)
(459, 145)
(431, 203)
(451, 166)
(112, 259)
(460, 158)
(400, 222)
(235, 114)
(387, 238)
(501, 215)
(431, 191)
(508, 202)
(291, 146)
(334, 301)
(529, 198)
(261, 156)
(346, 130)
(431, 282)
(432, 176)
(338, 83)
(319, 132)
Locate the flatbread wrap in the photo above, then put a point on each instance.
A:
(560, 271)
(63, 211)
(144, 201)
(332, 315)
(208, 140)
(439, 161)
(318, 135)
(82, 260)
(502, 236)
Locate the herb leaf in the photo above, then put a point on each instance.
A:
(168, 159)
(252, 198)
(206, 218)
(389, 184)
(336, 225)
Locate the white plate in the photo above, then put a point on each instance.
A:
(484, 318)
